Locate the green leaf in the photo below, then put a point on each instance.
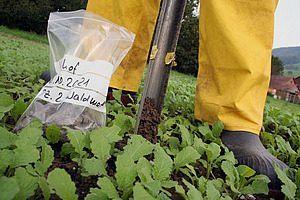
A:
(95, 166)
(61, 181)
(27, 184)
(8, 187)
(227, 156)
(112, 133)
(268, 138)
(100, 146)
(139, 192)
(6, 104)
(125, 122)
(78, 141)
(6, 158)
(53, 133)
(186, 172)
(6, 138)
(47, 156)
(67, 149)
(288, 187)
(29, 136)
(186, 156)
(137, 147)
(162, 196)
(45, 187)
(6, 100)
(186, 136)
(144, 168)
(108, 188)
(219, 184)
(169, 184)
(117, 95)
(260, 177)
(193, 193)
(284, 145)
(217, 128)
(31, 170)
(126, 171)
(206, 132)
(18, 108)
(1, 114)
(179, 189)
(162, 165)
(173, 142)
(260, 186)
(153, 186)
(199, 145)
(232, 175)
(297, 180)
(35, 123)
(25, 155)
(245, 171)
(96, 194)
(213, 151)
(247, 190)
(211, 191)
(202, 184)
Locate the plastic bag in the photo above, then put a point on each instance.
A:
(85, 50)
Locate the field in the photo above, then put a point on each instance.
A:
(187, 162)
(290, 72)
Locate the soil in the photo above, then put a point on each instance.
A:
(150, 119)
(83, 185)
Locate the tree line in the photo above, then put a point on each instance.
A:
(32, 15)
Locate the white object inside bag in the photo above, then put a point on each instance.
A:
(85, 51)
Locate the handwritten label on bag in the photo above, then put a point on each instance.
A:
(79, 82)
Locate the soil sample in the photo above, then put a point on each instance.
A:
(150, 119)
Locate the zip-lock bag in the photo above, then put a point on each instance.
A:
(85, 51)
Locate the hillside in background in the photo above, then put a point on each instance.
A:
(290, 56)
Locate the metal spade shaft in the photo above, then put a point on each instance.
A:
(162, 55)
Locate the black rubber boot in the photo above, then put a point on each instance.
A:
(248, 150)
(46, 76)
(124, 97)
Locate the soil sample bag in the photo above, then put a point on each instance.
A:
(85, 50)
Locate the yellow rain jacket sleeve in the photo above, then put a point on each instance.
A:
(236, 38)
(138, 16)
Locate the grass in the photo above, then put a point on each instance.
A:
(290, 72)
(23, 34)
(294, 108)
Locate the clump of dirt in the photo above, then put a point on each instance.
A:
(150, 119)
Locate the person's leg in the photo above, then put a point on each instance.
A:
(138, 16)
(235, 46)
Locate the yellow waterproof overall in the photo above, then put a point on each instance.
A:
(235, 44)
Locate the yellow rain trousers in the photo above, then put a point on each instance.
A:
(138, 16)
(235, 44)
(236, 39)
